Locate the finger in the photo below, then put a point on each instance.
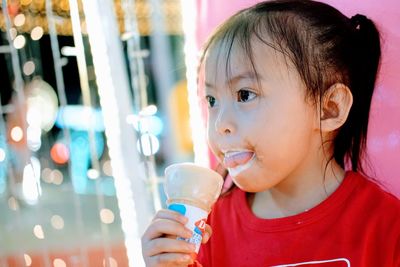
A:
(207, 234)
(161, 227)
(170, 215)
(170, 259)
(167, 245)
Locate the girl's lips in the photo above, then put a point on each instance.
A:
(233, 159)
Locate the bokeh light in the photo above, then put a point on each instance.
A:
(19, 20)
(29, 68)
(42, 104)
(31, 188)
(57, 177)
(59, 263)
(33, 136)
(46, 175)
(57, 222)
(38, 231)
(107, 168)
(150, 144)
(16, 134)
(19, 41)
(111, 262)
(107, 216)
(28, 260)
(59, 153)
(93, 174)
(37, 33)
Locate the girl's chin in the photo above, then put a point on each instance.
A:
(245, 183)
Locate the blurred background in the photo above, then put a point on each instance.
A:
(66, 125)
(99, 96)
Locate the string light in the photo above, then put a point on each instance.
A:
(29, 67)
(17, 134)
(19, 42)
(38, 231)
(93, 174)
(107, 216)
(28, 259)
(59, 263)
(57, 177)
(57, 222)
(107, 169)
(111, 262)
(37, 33)
(46, 175)
(19, 20)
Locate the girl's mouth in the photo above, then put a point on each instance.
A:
(238, 161)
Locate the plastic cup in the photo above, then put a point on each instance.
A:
(192, 190)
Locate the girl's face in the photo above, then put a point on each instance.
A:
(264, 131)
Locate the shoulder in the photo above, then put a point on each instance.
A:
(374, 203)
(372, 191)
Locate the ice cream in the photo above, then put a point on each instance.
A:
(192, 190)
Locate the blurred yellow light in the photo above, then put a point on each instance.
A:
(29, 67)
(26, 2)
(107, 216)
(57, 177)
(38, 231)
(111, 262)
(17, 134)
(19, 20)
(2, 155)
(19, 42)
(57, 222)
(13, 33)
(93, 174)
(59, 263)
(37, 33)
(12, 203)
(28, 260)
(107, 169)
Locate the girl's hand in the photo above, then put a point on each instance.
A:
(159, 244)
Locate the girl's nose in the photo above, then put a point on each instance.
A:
(225, 122)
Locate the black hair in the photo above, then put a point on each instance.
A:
(326, 47)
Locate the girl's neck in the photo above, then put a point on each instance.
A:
(296, 194)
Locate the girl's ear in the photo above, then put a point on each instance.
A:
(336, 104)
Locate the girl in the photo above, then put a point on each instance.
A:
(289, 86)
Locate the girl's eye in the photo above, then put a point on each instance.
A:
(211, 101)
(244, 95)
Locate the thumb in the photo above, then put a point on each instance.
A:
(207, 234)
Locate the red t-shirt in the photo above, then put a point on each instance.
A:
(358, 225)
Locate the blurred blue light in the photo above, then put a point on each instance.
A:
(80, 118)
(80, 159)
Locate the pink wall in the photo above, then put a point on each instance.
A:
(384, 131)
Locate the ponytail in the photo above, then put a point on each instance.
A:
(351, 140)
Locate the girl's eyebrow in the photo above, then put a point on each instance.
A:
(250, 75)
(246, 75)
